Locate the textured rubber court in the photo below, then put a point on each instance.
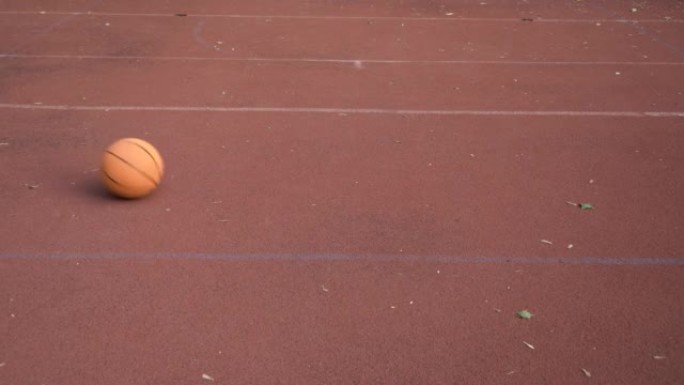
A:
(357, 192)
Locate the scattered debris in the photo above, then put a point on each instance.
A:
(107, 24)
(410, 302)
(393, 307)
(31, 186)
(618, 73)
(527, 19)
(529, 345)
(207, 377)
(181, 14)
(634, 9)
(509, 373)
(591, 181)
(449, 14)
(325, 289)
(524, 314)
(546, 241)
(658, 357)
(4, 143)
(586, 373)
(438, 271)
(570, 246)
(497, 310)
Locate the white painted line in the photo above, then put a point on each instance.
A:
(334, 17)
(451, 259)
(358, 111)
(341, 61)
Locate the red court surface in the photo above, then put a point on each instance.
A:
(356, 192)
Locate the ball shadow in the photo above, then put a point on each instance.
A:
(94, 188)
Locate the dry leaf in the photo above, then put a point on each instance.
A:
(325, 289)
(529, 345)
(546, 241)
(207, 377)
(524, 314)
(586, 373)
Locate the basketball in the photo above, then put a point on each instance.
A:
(131, 168)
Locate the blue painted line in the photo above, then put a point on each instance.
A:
(482, 260)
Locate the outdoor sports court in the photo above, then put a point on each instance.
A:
(356, 192)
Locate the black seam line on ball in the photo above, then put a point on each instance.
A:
(133, 167)
(156, 165)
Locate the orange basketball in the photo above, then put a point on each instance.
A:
(131, 168)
